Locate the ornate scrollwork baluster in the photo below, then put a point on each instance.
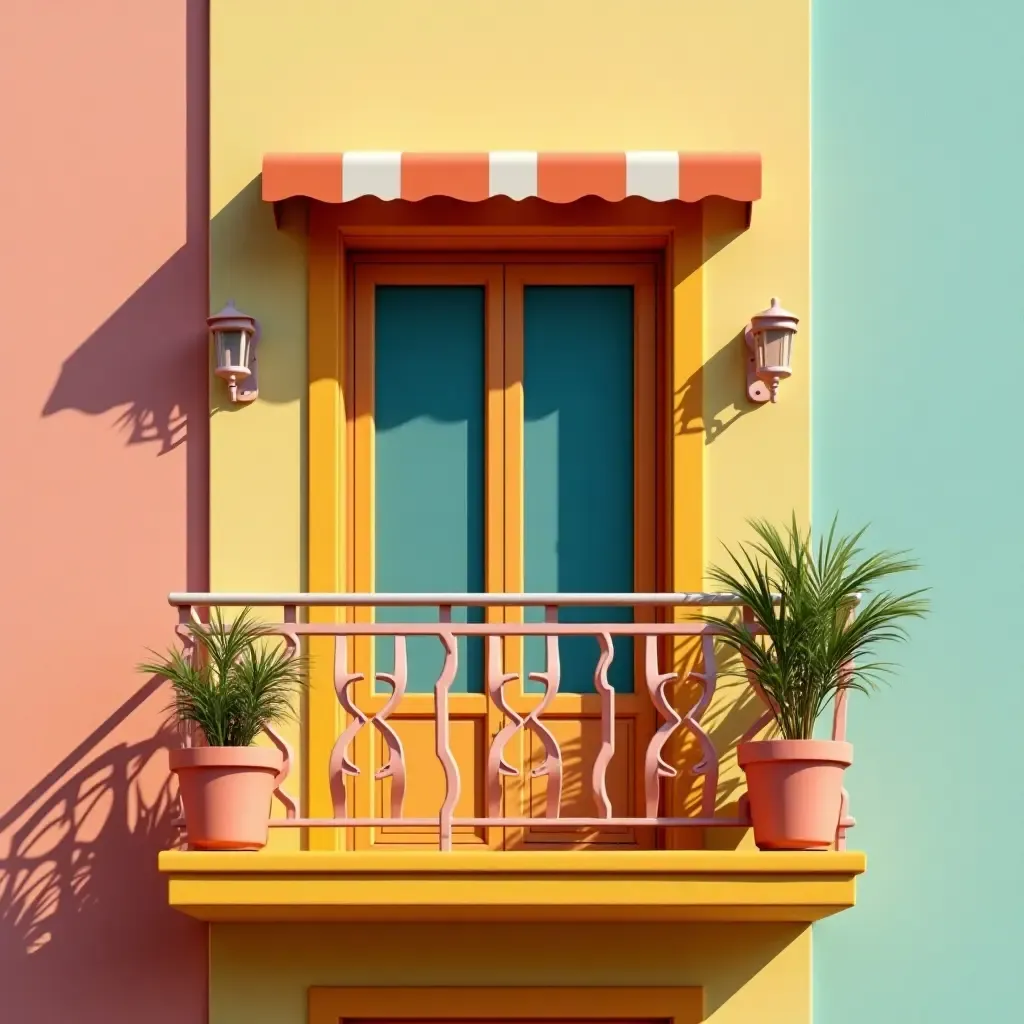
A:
(768, 716)
(340, 764)
(443, 746)
(291, 640)
(552, 764)
(656, 767)
(708, 764)
(762, 722)
(839, 711)
(394, 769)
(188, 620)
(607, 752)
(497, 766)
(188, 617)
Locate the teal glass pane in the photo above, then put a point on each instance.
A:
(578, 465)
(429, 465)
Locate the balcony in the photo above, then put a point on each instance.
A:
(511, 757)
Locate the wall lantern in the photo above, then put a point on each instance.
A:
(770, 350)
(234, 337)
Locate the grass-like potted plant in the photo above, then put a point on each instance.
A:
(240, 683)
(819, 640)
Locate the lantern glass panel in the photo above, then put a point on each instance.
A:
(233, 349)
(775, 349)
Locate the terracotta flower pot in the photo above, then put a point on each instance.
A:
(225, 793)
(795, 791)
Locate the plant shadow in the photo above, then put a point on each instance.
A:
(81, 901)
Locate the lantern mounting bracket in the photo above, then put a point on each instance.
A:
(250, 390)
(757, 390)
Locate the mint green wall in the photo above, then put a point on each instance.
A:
(918, 148)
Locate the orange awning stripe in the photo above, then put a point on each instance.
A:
(471, 177)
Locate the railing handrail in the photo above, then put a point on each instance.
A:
(453, 600)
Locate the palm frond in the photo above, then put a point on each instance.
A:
(812, 645)
(240, 682)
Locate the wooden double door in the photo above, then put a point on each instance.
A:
(502, 421)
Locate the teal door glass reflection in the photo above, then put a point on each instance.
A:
(578, 469)
(429, 401)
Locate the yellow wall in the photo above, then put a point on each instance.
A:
(260, 973)
(458, 75)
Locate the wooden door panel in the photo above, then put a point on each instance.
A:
(580, 741)
(425, 783)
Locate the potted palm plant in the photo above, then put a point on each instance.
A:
(238, 684)
(818, 640)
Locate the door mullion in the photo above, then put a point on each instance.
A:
(515, 785)
(494, 475)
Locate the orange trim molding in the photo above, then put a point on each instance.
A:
(342, 1005)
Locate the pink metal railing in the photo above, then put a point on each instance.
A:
(656, 682)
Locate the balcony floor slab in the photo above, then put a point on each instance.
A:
(656, 885)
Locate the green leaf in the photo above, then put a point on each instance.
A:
(241, 681)
(811, 637)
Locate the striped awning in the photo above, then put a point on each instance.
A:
(555, 177)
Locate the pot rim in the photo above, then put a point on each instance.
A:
(260, 758)
(827, 751)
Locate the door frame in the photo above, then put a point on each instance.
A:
(447, 1003)
(504, 283)
(673, 237)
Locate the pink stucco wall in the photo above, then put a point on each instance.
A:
(103, 493)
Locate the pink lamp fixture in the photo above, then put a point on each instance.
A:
(769, 340)
(234, 337)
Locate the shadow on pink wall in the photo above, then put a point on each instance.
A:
(104, 266)
(142, 363)
(79, 938)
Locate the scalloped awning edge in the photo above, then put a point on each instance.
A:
(473, 177)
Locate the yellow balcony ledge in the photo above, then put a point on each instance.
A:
(624, 885)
